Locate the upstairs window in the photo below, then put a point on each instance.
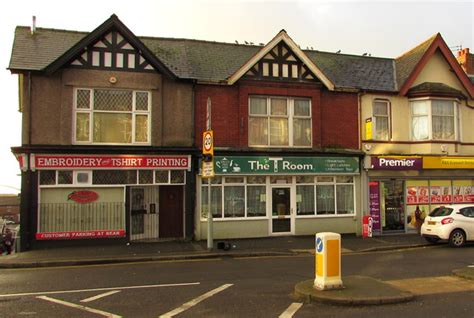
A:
(434, 119)
(280, 122)
(106, 116)
(381, 115)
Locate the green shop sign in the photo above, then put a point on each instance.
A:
(285, 165)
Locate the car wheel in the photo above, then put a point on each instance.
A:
(432, 240)
(457, 238)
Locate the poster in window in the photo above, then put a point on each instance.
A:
(458, 194)
(412, 195)
(436, 194)
(468, 194)
(423, 197)
(446, 195)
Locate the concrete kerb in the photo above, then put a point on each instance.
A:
(358, 290)
(466, 273)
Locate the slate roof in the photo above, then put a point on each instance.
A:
(434, 88)
(216, 61)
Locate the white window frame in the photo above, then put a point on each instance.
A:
(91, 112)
(290, 116)
(388, 116)
(457, 119)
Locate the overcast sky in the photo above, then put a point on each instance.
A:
(381, 28)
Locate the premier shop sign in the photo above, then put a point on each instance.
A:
(285, 165)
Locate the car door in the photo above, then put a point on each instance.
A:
(466, 221)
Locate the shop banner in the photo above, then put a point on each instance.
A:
(110, 162)
(448, 162)
(397, 163)
(80, 235)
(374, 205)
(285, 165)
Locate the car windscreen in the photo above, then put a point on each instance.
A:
(441, 211)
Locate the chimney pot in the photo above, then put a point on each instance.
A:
(33, 26)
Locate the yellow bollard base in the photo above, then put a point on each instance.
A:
(327, 284)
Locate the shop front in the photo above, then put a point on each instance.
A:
(128, 197)
(404, 189)
(259, 196)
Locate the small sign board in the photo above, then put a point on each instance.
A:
(207, 169)
(208, 142)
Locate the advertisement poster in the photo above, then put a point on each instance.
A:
(436, 194)
(458, 194)
(468, 194)
(412, 195)
(446, 196)
(423, 197)
(374, 205)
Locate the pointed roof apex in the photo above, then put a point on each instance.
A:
(283, 30)
(281, 36)
(111, 23)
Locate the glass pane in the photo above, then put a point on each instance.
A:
(302, 107)
(141, 102)
(234, 179)
(419, 128)
(442, 107)
(177, 176)
(162, 176)
(216, 180)
(443, 128)
(278, 106)
(258, 131)
(145, 176)
(114, 177)
(305, 200)
(112, 100)
(83, 100)
(304, 179)
(302, 132)
(256, 201)
(48, 177)
(280, 179)
(234, 202)
(380, 108)
(419, 107)
(216, 199)
(344, 179)
(256, 180)
(113, 128)
(64, 177)
(279, 132)
(141, 128)
(345, 199)
(381, 128)
(82, 126)
(258, 106)
(325, 199)
(325, 179)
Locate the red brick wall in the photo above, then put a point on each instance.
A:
(466, 60)
(340, 120)
(330, 112)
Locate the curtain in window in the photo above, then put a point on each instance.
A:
(234, 201)
(113, 127)
(302, 132)
(325, 199)
(141, 128)
(258, 131)
(82, 126)
(345, 199)
(381, 120)
(305, 196)
(279, 131)
(443, 119)
(256, 201)
(419, 120)
(216, 202)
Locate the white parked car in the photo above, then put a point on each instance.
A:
(454, 223)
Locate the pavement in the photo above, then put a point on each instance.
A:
(358, 290)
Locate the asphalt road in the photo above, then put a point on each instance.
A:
(246, 287)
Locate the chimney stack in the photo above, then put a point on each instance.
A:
(33, 26)
(466, 60)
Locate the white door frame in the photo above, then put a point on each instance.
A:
(291, 216)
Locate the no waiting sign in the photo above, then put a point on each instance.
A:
(208, 142)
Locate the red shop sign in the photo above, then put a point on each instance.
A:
(83, 196)
(77, 235)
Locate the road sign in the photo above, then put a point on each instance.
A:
(208, 142)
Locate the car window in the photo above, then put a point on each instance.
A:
(441, 211)
(469, 212)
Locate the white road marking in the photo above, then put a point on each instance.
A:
(470, 266)
(96, 289)
(92, 310)
(291, 310)
(195, 301)
(100, 296)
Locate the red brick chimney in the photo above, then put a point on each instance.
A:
(466, 60)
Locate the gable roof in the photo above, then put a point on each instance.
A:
(410, 64)
(281, 36)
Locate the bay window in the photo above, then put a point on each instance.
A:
(280, 122)
(112, 116)
(434, 119)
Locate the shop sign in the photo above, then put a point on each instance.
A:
(80, 235)
(448, 162)
(110, 162)
(83, 196)
(374, 205)
(397, 163)
(285, 165)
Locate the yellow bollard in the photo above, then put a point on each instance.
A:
(328, 261)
